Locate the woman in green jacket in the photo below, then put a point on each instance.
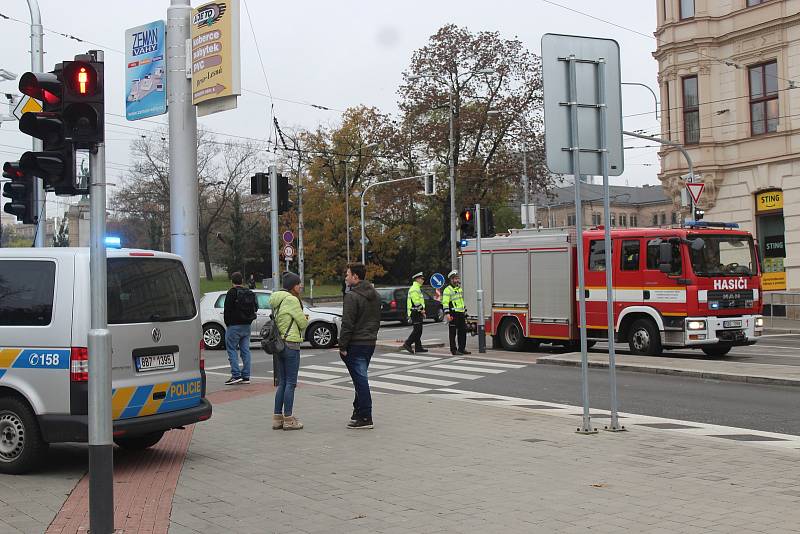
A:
(291, 323)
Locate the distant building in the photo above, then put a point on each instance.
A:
(728, 72)
(630, 207)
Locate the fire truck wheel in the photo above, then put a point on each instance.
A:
(717, 351)
(644, 339)
(511, 336)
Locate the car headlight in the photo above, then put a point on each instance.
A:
(759, 322)
(696, 325)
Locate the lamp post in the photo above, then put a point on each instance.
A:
(451, 156)
(347, 192)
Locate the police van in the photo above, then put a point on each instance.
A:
(158, 381)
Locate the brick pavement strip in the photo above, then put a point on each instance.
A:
(437, 465)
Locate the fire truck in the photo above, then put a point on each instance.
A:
(693, 286)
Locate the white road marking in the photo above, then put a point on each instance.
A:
(411, 356)
(778, 335)
(324, 368)
(476, 369)
(226, 366)
(420, 379)
(396, 387)
(321, 376)
(490, 364)
(446, 374)
(392, 360)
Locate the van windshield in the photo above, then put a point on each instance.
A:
(146, 290)
(722, 255)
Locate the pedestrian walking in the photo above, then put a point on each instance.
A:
(415, 308)
(291, 322)
(454, 307)
(361, 319)
(239, 312)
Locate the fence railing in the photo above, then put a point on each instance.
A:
(778, 304)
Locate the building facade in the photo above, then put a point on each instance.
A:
(729, 76)
(630, 207)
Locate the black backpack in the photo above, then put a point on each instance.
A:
(246, 305)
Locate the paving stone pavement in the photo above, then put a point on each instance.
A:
(438, 465)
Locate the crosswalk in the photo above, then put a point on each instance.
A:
(407, 373)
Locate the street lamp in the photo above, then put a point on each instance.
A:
(347, 192)
(451, 157)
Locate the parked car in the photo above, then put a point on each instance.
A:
(323, 323)
(393, 304)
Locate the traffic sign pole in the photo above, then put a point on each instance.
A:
(481, 318)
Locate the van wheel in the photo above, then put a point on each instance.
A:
(511, 336)
(213, 337)
(21, 445)
(322, 336)
(716, 351)
(644, 338)
(138, 443)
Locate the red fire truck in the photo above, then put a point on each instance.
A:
(695, 286)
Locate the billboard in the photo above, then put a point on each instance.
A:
(145, 71)
(216, 66)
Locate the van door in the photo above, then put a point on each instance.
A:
(595, 278)
(661, 290)
(155, 332)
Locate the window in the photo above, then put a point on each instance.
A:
(148, 290)
(613, 220)
(653, 256)
(623, 219)
(655, 219)
(571, 219)
(691, 111)
(751, 3)
(633, 220)
(596, 219)
(262, 299)
(26, 292)
(764, 98)
(687, 9)
(663, 218)
(674, 218)
(597, 255)
(630, 256)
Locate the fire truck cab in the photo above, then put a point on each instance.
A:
(695, 286)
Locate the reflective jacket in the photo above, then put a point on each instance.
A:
(453, 299)
(415, 300)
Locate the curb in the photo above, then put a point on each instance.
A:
(725, 377)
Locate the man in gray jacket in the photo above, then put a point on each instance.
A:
(361, 318)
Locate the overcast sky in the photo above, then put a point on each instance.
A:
(334, 54)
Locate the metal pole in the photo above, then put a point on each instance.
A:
(481, 318)
(183, 186)
(586, 425)
(655, 98)
(101, 451)
(301, 258)
(363, 231)
(453, 257)
(612, 357)
(525, 186)
(273, 222)
(347, 209)
(37, 65)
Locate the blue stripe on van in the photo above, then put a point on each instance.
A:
(137, 401)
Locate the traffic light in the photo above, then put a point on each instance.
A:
(467, 219)
(698, 214)
(487, 223)
(259, 184)
(284, 204)
(430, 184)
(83, 101)
(19, 192)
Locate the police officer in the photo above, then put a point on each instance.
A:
(415, 308)
(453, 304)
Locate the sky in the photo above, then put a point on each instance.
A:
(332, 54)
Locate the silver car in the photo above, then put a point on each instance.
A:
(322, 331)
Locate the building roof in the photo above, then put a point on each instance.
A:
(620, 195)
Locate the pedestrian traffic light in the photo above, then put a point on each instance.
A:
(83, 101)
(487, 223)
(698, 214)
(284, 204)
(259, 184)
(20, 193)
(467, 219)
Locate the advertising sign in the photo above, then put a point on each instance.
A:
(769, 200)
(145, 71)
(216, 65)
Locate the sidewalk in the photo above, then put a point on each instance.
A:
(439, 465)
(781, 325)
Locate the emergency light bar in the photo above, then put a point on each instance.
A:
(709, 224)
(112, 241)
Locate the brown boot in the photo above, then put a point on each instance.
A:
(277, 421)
(291, 422)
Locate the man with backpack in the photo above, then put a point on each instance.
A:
(240, 312)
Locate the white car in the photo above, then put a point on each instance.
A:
(322, 331)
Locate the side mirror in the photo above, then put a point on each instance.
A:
(665, 257)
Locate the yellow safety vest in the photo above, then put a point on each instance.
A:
(415, 300)
(453, 299)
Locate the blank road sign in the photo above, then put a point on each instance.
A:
(555, 73)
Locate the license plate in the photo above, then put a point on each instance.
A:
(155, 362)
(732, 324)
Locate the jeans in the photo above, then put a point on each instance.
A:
(357, 362)
(237, 336)
(287, 368)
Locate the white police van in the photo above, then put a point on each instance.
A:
(158, 382)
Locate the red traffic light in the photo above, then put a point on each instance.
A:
(468, 215)
(42, 86)
(80, 78)
(12, 170)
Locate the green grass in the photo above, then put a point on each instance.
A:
(222, 284)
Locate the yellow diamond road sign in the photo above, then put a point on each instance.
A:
(25, 105)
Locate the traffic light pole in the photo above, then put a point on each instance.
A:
(101, 459)
(481, 317)
(37, 65)
(273, 219)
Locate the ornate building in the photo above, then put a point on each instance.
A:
(729, 75)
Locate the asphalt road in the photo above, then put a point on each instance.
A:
(742, 405)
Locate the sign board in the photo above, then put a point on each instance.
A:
(769, 201)
(775, 246)
(437, 280)
(773, 281)
(528, 213)
(288, 251)
(215, 53)
(695, 190)
(558, 130)
(288, 236)
(145, 71)
(25, 105)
